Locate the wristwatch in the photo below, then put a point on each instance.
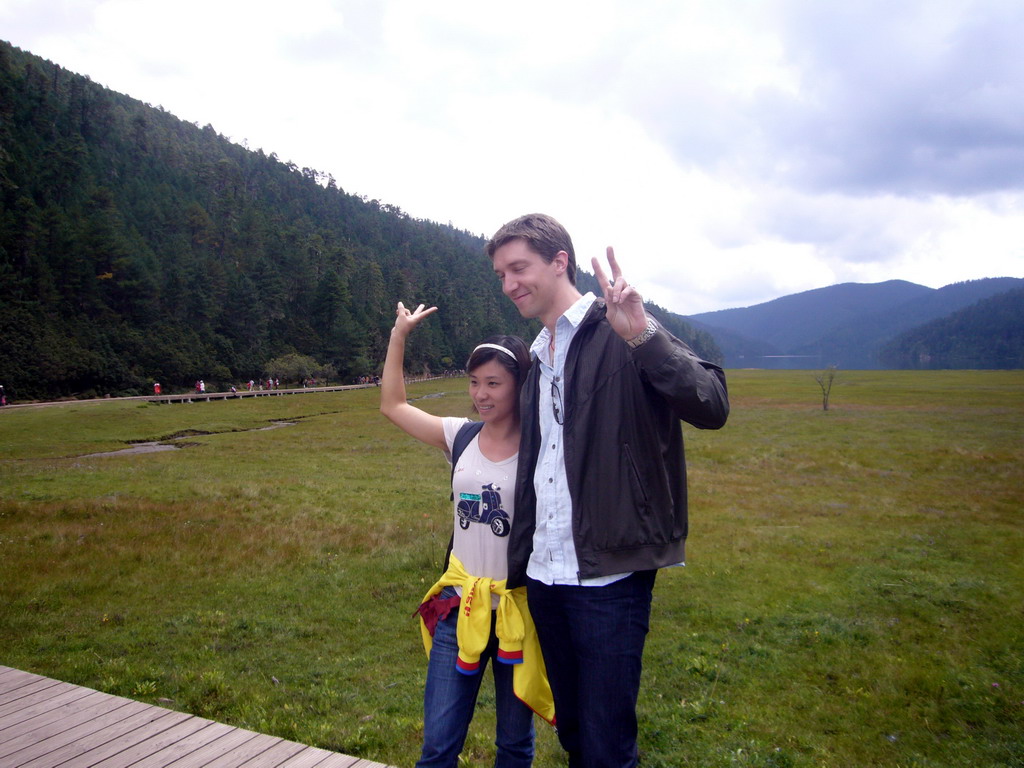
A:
(644, 335)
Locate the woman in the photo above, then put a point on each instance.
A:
(468, 617)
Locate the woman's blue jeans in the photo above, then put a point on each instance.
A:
(450, 698)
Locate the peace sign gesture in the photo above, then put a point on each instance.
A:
(406, 320)
(625, 306)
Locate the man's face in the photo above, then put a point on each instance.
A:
(527, 279)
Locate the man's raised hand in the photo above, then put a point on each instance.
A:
(625, 306)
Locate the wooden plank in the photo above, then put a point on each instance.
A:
(119, 756)
(10, 673)
(310, 757)
(59, 718)
(121, 731)
(59, 712)
(227, 744)
(57, 751)
(30, 706)
(264, 756)
(29, 694)
(11, 699)
(338, 760)
(48, 724)
(43, 709)
(246, 754)
(185, 746)
(14, 685)
(58, 732)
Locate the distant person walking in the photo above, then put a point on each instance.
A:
(469, 617)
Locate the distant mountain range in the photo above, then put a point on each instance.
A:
(877, 325)
(138, 248)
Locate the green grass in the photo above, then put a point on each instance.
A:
(854, 594)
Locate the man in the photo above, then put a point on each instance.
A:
(601, 496)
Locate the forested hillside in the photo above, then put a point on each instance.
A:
(849, 324)
(136, 247)
(989, 334)
(793, 321)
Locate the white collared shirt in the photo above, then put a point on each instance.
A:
(553, 560)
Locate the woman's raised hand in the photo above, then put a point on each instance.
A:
(393, 403)
(406, 320)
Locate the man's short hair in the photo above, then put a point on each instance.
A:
(544, 236)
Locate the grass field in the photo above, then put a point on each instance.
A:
(854, 594)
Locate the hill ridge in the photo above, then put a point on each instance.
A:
(137, 247)
(846, 324)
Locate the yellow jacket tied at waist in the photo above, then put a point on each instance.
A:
(517, 638)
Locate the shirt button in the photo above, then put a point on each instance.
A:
(551, 479)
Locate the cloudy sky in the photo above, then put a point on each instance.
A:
(732, 151)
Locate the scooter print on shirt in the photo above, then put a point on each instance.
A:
(484, 508)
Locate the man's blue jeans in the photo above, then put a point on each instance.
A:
(450, 698)
(593, 644)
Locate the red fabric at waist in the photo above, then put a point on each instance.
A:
(437, 609)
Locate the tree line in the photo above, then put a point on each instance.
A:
(137, 247)
(988, 334)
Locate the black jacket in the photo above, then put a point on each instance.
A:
(623, 448)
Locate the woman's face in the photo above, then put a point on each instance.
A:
(493, 390)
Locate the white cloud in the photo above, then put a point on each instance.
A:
(731, 152)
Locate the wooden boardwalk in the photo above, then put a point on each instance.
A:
(45, 723)
(195, 397)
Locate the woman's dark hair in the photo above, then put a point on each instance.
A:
(518, 367)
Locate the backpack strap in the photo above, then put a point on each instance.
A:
(462, 439)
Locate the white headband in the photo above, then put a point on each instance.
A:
(494, 346)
